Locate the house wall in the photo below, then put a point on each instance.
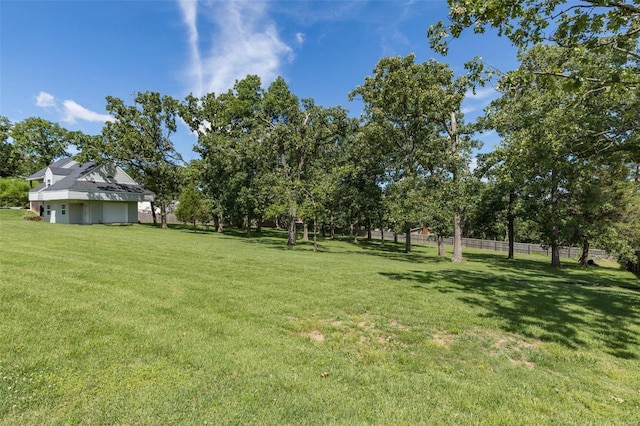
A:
(90, 212)
(108, 173)
(76, 213)
(56, 212)
(95, 213)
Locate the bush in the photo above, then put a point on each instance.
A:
(33, 217)
(14, 193)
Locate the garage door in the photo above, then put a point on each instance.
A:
(114, 213)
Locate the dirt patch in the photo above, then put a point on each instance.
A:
(528, 364)
(314, 335)
(402, 327)
(362, 330)
(445, 339)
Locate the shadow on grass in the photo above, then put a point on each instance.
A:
(542, 303)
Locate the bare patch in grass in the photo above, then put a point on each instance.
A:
(511, 347)
(362, 330)
(314, 335)
(402, 327)
(445, 339)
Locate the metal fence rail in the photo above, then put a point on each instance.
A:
(494, 245)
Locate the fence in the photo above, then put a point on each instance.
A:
(503, 246)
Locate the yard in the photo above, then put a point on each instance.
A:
(139, 325)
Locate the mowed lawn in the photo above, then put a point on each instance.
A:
(139, 325)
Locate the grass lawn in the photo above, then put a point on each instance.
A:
(139, 325)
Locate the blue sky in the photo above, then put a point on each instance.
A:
(60, 59)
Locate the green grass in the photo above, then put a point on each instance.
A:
(138, 325)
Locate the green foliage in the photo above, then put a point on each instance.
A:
(223, 329)
(39, 142)
(192, 207)
(138, 139)
(564, 153)
(14, 192)
(414, 117)
(265, 152)
(597, 27)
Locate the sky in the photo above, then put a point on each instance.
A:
(59, 59)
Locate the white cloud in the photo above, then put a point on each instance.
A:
(243, 40)
(45, 100)
(300, 37)
(72, 111)
(189, 9)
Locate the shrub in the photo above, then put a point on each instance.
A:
(33, 217)
(14, 193)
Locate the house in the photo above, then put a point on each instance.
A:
(87, 193)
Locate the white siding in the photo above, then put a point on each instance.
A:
(108, 173)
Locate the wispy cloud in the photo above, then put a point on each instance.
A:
(242, 40)
(70, 111)
(482, 94)
(474, 102)
(189, 9)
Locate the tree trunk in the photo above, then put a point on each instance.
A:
(332, 228)
(163, 214)
(354, 233)
(395, 237)
(195, 226)
(368, 229)
(441, 251)
(153, 213)
(381, 235)
(555, 248)
(248, 225)
(315, 234)
(457, 215)
(457, 237)
(259, 226)
(555, 232)
(219, 223)
(407, 240)
(305, 231)
(584, 257)
(291, 237)
(511, 227)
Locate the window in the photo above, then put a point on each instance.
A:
(48, 183)
(63, 209)
(48, 209)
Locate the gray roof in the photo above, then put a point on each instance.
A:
(58, 167)
(71, 182)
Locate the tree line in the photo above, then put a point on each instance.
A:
(567, 169)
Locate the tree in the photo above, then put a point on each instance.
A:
(39, 142)
(138, 139)
(563, 147)
(301, 135)
(192, 207)
(416, 110)
(610, 27)
(237, 165)
(9, 157)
